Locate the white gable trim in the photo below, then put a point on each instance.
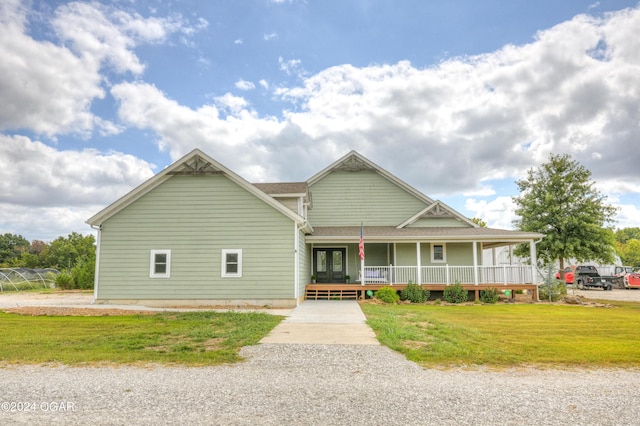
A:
(433, 206)
(179, 167)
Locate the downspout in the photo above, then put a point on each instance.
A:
(96, 272)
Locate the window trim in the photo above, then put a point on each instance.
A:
(152, 264)
(223, 270)
(444, 253)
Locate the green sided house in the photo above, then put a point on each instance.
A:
(199, 234)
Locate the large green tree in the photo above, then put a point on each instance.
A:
(625, 234)
(64, 253)
(11, 247)
(560, 200)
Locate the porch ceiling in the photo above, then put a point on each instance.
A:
(385, 234)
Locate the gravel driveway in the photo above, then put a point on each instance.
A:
(283, 384)
(319, 385)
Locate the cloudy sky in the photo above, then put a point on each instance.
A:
(456, 98)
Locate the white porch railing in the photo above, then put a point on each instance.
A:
(505, 274)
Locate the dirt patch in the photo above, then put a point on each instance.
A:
(74, 312)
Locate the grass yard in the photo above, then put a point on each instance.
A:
(194, 338)
(511, 335)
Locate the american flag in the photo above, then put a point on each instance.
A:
(361, 245)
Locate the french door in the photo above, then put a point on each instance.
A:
(329, 265)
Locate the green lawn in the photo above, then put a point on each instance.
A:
(510, 335)
(195, 338)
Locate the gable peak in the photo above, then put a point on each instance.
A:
(353, 163)
(196, 164)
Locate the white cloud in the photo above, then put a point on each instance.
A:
(291, 66)
(498, 213)
(49, 88)
(627, 217)
(49, 192)
(270, 36)
(34, 174)
(450, 128)
(245, 85)
(224, 130)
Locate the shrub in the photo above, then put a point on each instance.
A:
(387, 295)
(64, 280)
(414, 293)
(489, 295)
(83, 274)
(455, 294)
(551, 289)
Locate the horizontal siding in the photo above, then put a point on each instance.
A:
(289, 202)
(196, 217)
(458, 254)
(350, 198)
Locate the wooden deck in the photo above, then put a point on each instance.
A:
(343, 291)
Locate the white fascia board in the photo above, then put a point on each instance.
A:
(161, 177)
(436, 203)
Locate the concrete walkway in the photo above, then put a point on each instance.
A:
(324, 322)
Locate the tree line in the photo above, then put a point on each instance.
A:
(74, 256)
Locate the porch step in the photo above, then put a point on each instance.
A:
(330, 294)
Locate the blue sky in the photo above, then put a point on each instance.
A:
(458, 98)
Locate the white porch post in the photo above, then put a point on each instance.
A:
(296, 262)
(474, 245)
(534, 260)
(419, 263)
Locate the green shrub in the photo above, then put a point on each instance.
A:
(64, 280)
(455, 294)
(387, 295)
(83, 274)
(489, 295)
(552, 291)
(414, 293)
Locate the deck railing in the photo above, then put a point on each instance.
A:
(446, 274)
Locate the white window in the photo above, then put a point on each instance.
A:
(160, 264)
(231, 263)
(438, 253)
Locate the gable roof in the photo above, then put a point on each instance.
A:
(353, 162)
(437, 209)
(194, 163)
(283, 188)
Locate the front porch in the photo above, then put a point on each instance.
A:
(341, 291)
(433, 278)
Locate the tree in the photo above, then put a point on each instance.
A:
(479, 222)
(559, 200)
(11, 247)
(625, 234)
(65, 253)
(630, 253)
